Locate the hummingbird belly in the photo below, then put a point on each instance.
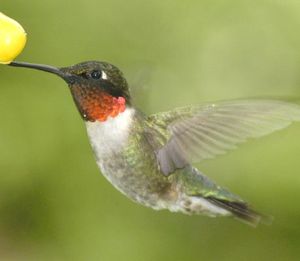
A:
(127, 161)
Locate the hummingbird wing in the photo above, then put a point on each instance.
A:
(203, 132)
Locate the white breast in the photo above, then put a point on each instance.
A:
(110, 136)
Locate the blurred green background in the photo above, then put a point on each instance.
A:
(55, 205)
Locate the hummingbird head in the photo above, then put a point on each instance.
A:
(99, 89)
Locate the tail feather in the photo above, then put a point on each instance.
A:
(241, 211)
(198, 185)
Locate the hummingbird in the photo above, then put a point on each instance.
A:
(149, 157)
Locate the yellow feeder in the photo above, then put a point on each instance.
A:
(12, 39)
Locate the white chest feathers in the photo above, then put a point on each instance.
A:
(110, 136)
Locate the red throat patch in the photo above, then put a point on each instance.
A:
(97, 105)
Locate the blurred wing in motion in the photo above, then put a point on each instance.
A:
(202, 132)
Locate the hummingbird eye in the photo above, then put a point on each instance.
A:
(96, 74)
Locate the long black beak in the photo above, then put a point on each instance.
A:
(46, 68)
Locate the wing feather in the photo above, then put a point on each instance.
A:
(203, 132)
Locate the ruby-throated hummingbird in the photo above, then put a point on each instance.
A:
(148, 158)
